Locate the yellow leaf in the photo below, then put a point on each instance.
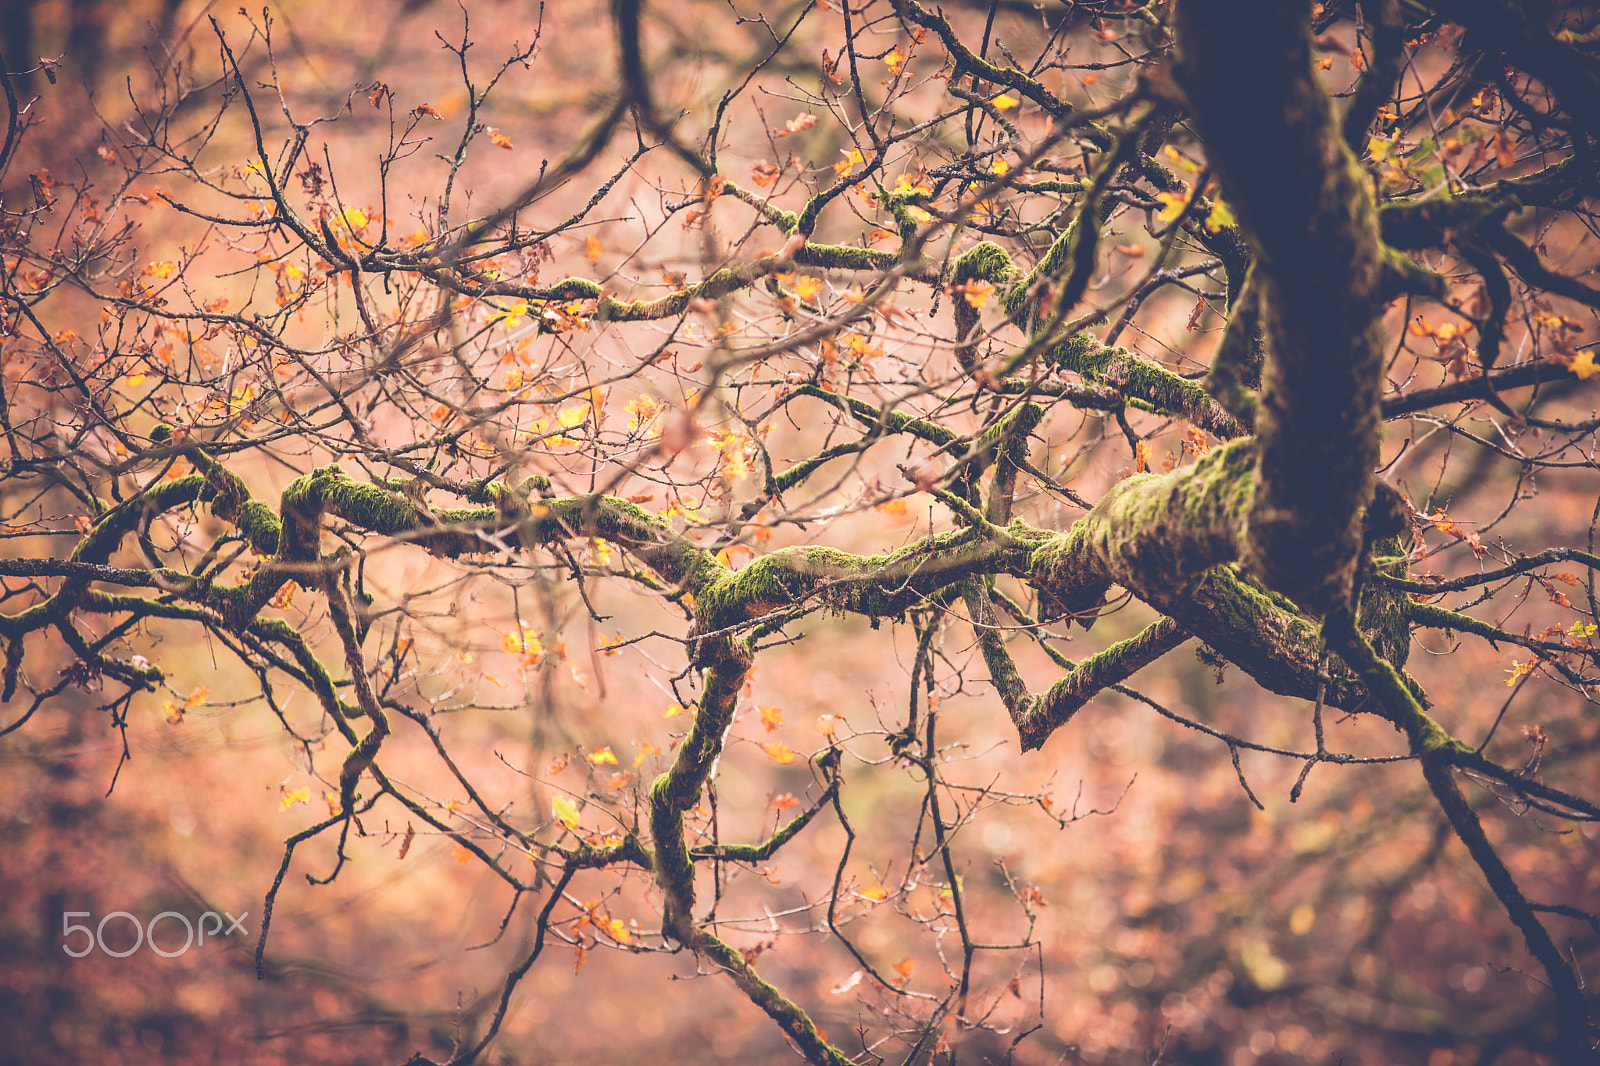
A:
(977, 292)
(807, 288)
(895, 60)
(876, 895)
(602, 755)
(174, 712)
(675, 710)
(522, 642)
(291, 796)
(771, 717)
(565, 810)
(1221, 216)
(163, 269)
(1174, 205)
(1584, 365)
(591, 249)
(1005, 101)
(999, 168)
(778, 753)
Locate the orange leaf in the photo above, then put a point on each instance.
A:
(500, 140)
(977, 291)
(778, 753)
(797, 124)
(591, 249)
(771, 717)
(903, 968)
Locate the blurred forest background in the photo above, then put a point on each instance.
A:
(1149, 908)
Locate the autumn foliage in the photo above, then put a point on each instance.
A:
(861, 531)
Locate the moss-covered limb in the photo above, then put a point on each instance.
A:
(1139, 379)
(230, 497)
(984, 261)
(1087, 397)
(1425, 614)
(113, 575)
(1384, 614)
(1098, 672)
(794, 1021)
(969, 62)
(714, 286)
(1573, 1047)
(316, 675)
(1077, 248)
(93, 661)
(1439, 752)
(1404, 276)
(1236, 370)
(878, 586)
(1153, 535)
(514, 522)
(753, 853)
(1269, 129)
(361, 757)
(96, 548)
(726, 663)
(595, 856)
(1166, 539)
(1521, 566)
(111, 527)
(1007, 441)
(1413, 225)
(1281, 651)
(1003, 673)
(1393, 698)
(894, 421)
